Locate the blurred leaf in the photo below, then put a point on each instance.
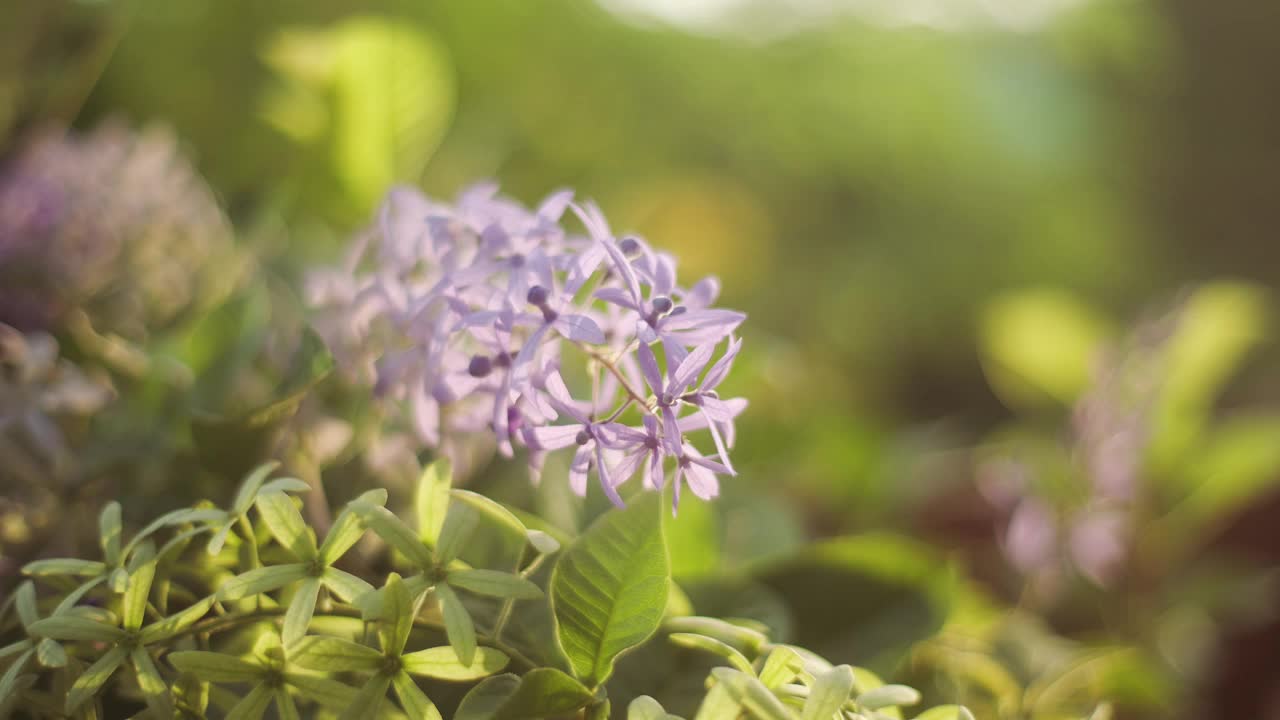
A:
(889, 696)
(443, 663)
(828, 693)
(696, 531)
(64, 566)
(87, 685)
(215, 667)
(431, 502)
(543, 693)
(494, 584)
(713, 646)
(412, 699)
(1239, 460)
(332, 654)
(487, 698)
(754, 697)
(286, 524)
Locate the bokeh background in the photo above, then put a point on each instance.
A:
(993, 251)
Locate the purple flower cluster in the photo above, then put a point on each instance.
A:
(463, 313)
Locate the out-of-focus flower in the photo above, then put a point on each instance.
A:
(462, 312)
(113, 222)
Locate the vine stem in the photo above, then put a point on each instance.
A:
(613, 369)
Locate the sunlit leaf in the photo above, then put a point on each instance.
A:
(715, 647)
(260, 580)
(286, 524)
(431, 502)
(443, 663)
(346, 586)
(250, 487)
(173, 624)
(215, 667)
(348, 528)
(75, 628)
(92, 679)
(332, 654)
(154, 688)
(50, 654)
(754, 697)
(395, 533)
(134, 605)
(458, 625)
(829, 692)
(64, 566)
(253, 705)
(298, 617)
(781, 667)
(889, 696)
(110, 528)
(494, 584)
(412, 699)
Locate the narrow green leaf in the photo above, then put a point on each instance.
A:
(219, 538)
(287, 709)
(332, 654)
(487, 698)
(75, 628)
(346, 586)
(947, 712)
(443, 663)
(754, 697)
(50, 654)
(215, 667)
(889, 696)
(303, 605)
(609, 588)
(64, 566)
(781, 667)
(252, 706)
(285, 485)
(286, 524)
(456, 533)
(182, 516)
(154, 688)
(87, 685)
(25, 603)
(15, 648)
(134, 605)
(494, 584)
(479, 507)
(431, 503)
(745, 639)
(191, 696)
(368, 702)
(162, 630)
(395, 533)
(348, 528)
(457, 623)
(329, 693)
(109, 528)
(714, 646)
(261, 580)
(250, 487)
(396, 621)
(9, 681)
(545, 693)
(829, 692)
(73, 597)
(412, 699)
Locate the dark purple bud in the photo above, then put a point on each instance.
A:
(629, 246)
(502, 359)
(661, 305)
(679, 310)
(549, 315)
(537, 296)
(480, 366)
(583, 437)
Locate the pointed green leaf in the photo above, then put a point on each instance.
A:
(609, 588)
(89, 682)
(545, 693)
(781, 667)
(456, 532)
(332, 654)
(252, 706)
(75, 628)
(889, 696)
(64, 566)
(457, 623)
(181, 516)
(346, 586)
(162, 630)
(745, 639)
(215, 667)
(219, 538)
(154, 688)
(134, 605)
(109, 528)
(15, 648)
(395, 533)
(754, 697)
(829, 692)
(443, 663)
(494, 584)
(431, 503)
(286, 524)
(25, 603)
(412, 699)
(50, 654)
(348, 528)
(285, 485)
(285, 706)
(487, 698)
(714, 646)
(301, 608)
(250, 487)
(191, 696)
(329, 693)
(396, 621)
(368, 702)
(261, 580)
(9, 681)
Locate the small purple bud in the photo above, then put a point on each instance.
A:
(583, 437)
(679, 310)
(480, 366)
(661, 305)
(502, 359)
(629, 246)
(549, 315)
(537, 296)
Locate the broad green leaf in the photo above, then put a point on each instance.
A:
(252, 706)
(301, 608)
(64, 566)
(781, 667)
(412, 699)
(395, 533)
(494, 584)
(261, 580)
(89, 682)
(946, 712)
(545, 693)
(249, 488)
(458, 625)
(646, 708)
(154, 688)
(754, 697)
(50, 654)
(285, 705)
(173, 624)
(75, 628)
(329, 693)
(346, 586)
(829, 692)
(368, 701)
(431, 503)
(609, 588)
(110, 528)
(215, 667)
(443, 663)
(134, 605)
(348, 528)
(398, 613)
(889, 696)
(715, 647)
(487, 698)
(332, 654)
(286, 524)
(9, 681)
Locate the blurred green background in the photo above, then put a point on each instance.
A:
(936, 212)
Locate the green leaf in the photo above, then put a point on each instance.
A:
(743, 638)
(754, 697)
(889, 696)
(412, 699)
(172, 625)
(154, 688)
(261, 580)
(134, 605)
(285, 485)
(329, 693)
(50, 654)
(486, 699)
(501, 542)
(348, 528)
(368, 701)
(285, 705)
(431, 503)
(286, 524)
(545, 693)
(118, 580)
(250, 487)
(25, 603)
(64, 566)
(646, 708)
(75, 628)
(252, 706)
(346, 586)
(946, 712)
(15, 648)
(443, 663)
(457, 623)
(215, 667)
(715, 647)
(494, 584)
(829, 692)
(332, 654)
(110, 528)
(181, 516)
(718, 704)
(395, 533)
(398, 613)
(609, 588)
(301, 608)
(92, 679)
(9, 681)
(781, 667)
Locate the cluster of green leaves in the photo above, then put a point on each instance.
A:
(242, 609)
